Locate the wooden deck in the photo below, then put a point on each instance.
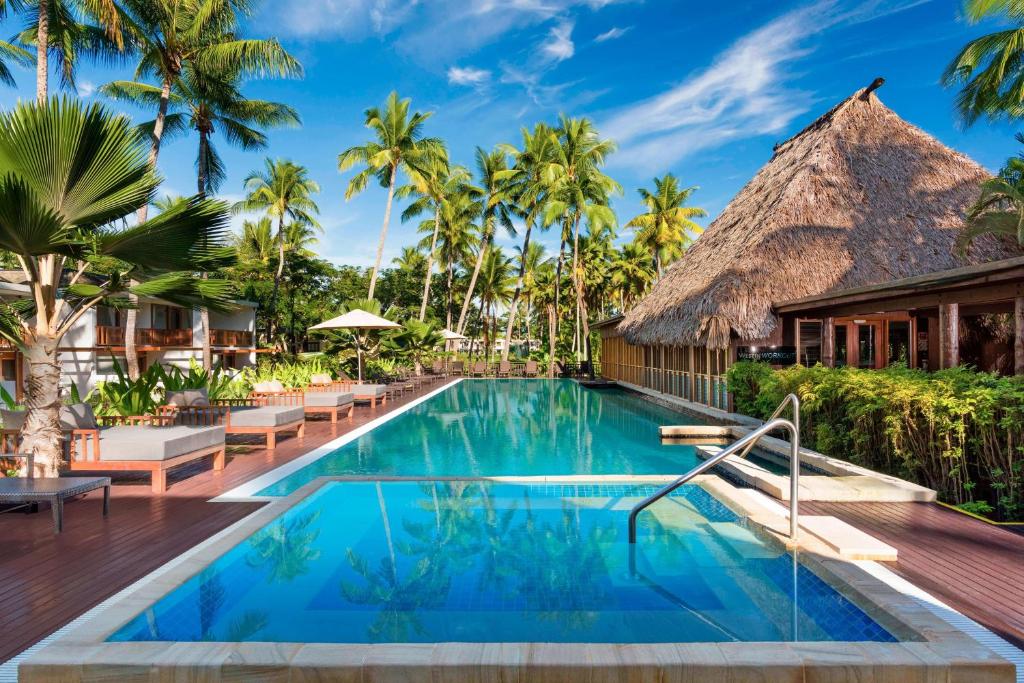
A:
(46, 580)
(974, 567)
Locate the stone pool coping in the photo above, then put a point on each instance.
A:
(937, 651)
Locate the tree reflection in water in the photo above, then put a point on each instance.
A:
(285, 548)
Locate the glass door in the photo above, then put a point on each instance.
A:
(867, 345)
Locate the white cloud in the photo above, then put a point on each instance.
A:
(468, 75)
(746, 91)
(85, 88)
(559, 46)
(612, 33)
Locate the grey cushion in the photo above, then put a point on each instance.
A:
(12, 419)
(77, 416)
(320, 399)
(266, 416)
(189, 397)
(368, 390)
(156, 443)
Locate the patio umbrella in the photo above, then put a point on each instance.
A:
(357, 319)
(450, 336)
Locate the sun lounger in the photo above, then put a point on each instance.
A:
(268, 414)
(146, 443)
(531, 369)
(458, 368)
(479, 368)
(504, 368)
(317, 398)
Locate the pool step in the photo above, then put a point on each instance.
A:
(845, 540)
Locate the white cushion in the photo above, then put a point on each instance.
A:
(320, 378)
(272, 386)
(188, 397)
(266, 416)
(328, 399)
(127, 442)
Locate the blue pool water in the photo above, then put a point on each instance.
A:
(361, 562)
(512, 427)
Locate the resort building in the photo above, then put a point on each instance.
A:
(165, 333)
(820, 258)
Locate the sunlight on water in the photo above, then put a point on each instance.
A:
(512, 427)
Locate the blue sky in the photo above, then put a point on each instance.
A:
(695, 88)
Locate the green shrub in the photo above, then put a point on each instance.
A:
(959, 431)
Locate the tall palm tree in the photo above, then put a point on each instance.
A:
(411, 260)
(495, 287)
(64, 220)
(493, 171)
(436, 187)
(171, 35)
(456, 238)
(284, 190)
(631, 273)
(667, 229)
(530, 266)
(398, 144)
(990, 69)
(12, 54)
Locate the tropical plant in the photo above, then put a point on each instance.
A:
(999, 209)
(668, 227)
(284, 190)
(492, 169)
(456, 237)
(218, 382)
(64, 221)
(411, 260)
(416, 341)
(125, 396)
(494, 288)
(631, 273)
(398, 144)
(990, 69)
(12, 54)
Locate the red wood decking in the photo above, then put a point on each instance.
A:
(47, 580)
(974, 567)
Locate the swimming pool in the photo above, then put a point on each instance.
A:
(477, 561)
(479, 428)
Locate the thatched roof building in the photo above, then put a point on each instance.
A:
(858, 197)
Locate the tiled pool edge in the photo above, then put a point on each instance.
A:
(81, 652)
(247, 492)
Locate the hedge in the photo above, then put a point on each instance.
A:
(959, 431)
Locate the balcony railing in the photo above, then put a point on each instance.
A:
(144, 336)
(241, 338)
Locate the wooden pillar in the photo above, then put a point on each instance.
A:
(949, 335)
(693, 373)
(1018, 335)
(796, 338)
(828, 342)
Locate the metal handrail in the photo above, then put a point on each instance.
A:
(746, 442)
(791, 399)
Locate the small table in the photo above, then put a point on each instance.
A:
(53, 490)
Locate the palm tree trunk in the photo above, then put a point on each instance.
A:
(42, 52)
(484, 243)
(430, 262)
(448, 304)
(514, 305)
(383, 231)
(558, 278)
(272, 308)
(576, 279)
(552, 331)
(131, 318)
(41, 432)
(204, 312)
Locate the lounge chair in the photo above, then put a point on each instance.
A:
(316, 398)
(437, 368)
(269, 415)
(374, 393)
(504, 368)
(458, 368)
(144, 443)
(531, 369)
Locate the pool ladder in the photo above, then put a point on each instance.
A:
(743, 446)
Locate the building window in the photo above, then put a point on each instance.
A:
(841, 346)
(810, 343)
(169, 318)
(899, 342)
(107, 316)
(9, 369)
(865, 346)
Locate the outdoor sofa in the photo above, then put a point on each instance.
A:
(373, 393)
(148, 443)
(316, 398)
(269, 415)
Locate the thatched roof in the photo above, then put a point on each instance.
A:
(858, 197)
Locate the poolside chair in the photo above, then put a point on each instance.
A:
(504, 368)
(149, 443)
(458, 368)
(268, 414)
(438, 369)
(531, 369)
(479, 368)
(317, 400)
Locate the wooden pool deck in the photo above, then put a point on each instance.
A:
(974, 567)
(46, 580)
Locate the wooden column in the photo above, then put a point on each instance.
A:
(796, 338)
(1018, 338)
(949, 335)
(828, 342)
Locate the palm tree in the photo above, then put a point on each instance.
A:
(398, 144)
(495, 287)
(990, 69)
(493, 170)
(436, 187)
(76, 252)
(11, 53)
(456, 238)
(667, 227)
(999, 209)
(530, 267)
(284, 191)
(631, 273)
(411, 260)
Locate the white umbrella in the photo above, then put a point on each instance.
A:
(357, 319)
(450, 336)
